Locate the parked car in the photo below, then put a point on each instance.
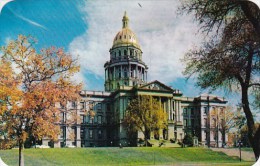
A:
(70, 146)
(40, 146)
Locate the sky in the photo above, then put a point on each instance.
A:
(87, 28)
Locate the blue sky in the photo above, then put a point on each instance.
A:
(87, 28)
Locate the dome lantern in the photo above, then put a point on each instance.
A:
(125, 21)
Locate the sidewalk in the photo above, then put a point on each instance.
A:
(245, 155)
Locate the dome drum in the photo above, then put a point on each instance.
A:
(125, 67)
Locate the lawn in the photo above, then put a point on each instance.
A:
(117, 156)
(247, 149)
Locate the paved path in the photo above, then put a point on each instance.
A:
(245, 155)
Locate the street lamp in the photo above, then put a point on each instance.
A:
(239, 142)
(181, 140)
(239, 146)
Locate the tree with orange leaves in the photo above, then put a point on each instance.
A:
(31, 84)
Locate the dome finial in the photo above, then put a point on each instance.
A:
(125, 20)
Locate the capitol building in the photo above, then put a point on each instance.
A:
(126, 77)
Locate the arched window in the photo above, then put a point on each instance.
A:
(131, 53)
(119, 53)
(125, 52)
(120, 37)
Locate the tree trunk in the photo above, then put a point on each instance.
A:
(146, 135)
(252, 133)
(21, 159)
(257, 143)
(223, 133)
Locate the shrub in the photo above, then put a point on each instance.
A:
(188, 140)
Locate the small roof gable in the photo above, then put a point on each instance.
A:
(156, 85)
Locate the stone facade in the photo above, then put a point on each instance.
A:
(126, 77)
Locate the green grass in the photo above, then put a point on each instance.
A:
(117, 156)
(247, 149)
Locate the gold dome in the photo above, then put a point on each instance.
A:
(126, 36)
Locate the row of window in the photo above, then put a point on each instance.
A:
(213, 110)
(133, 54)
(82, 105)
(89, 134)
(88, 119)
(214, 122)
(124, 74)
(215, 134)
(205, 110)
(120, 37)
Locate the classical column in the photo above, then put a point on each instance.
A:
(121, 71)
(160, 134)
(78, 140)
(136, 71)
(169, 108)
(160, 102)
(146, 76)
(114, 73)
(129, 70)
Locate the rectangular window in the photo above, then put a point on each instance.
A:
(192, 111)
(205, 110)
(185, 122)
(213, 112)
(99, 134)
(82, 119)
(90, 134)
(91, 119)
(205, 134)
(192, 122)
(99, 119)
(91, 105)
(184, 111)
(82, 133)
(108, 107)
(73, 105)
(205, 122)
(63, 132)
(62, 106)
(62, 119)
(99, 106)
(62, 144)
(82, 105)
(221, 111)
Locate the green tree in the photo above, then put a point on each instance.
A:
(231, 58)
(230, 120)
(242, 134)
(144, 114)
(31, 85)
(188, 140)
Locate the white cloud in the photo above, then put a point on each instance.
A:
(163, 35)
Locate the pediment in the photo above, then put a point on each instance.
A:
(156, 85)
